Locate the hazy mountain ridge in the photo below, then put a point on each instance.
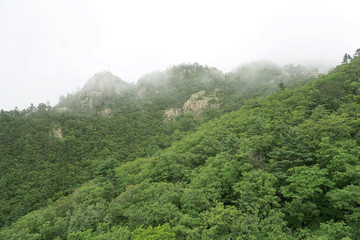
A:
(101, 85)
(177, 84)
(105, 82)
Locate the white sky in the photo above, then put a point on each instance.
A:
(49, 48)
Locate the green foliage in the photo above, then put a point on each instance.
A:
(104, 232)
(331, 231)
(146, 203)
(294, 151)
(305, 194)
(285, 166)
(347, 199)
(228, 222)
(161, 232)
(256, 192)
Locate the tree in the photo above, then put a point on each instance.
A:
(148, 204)
(357, 52)
(228, 222)
(293, 151)
(305, 194)
(346, 59)
(331, 231)
(347, 199)
(255, 193)
(282, 86)
(161, 232)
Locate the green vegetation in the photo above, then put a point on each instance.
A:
(259, 165)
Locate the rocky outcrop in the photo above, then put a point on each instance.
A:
(106, 112)
(62, 109)
(172, 113)
(198, 102)
(141, 92)
(87, 101)
(196, 105)
(57, 132)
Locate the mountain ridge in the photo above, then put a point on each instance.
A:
(188, 78)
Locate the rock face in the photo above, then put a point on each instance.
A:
(196, 105)
(198, 102)
(57, 132)
(106, 112)
(172, 113)
(62, 109)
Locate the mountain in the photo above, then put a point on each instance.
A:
(177, 85)
(262, 152)
(101, 86)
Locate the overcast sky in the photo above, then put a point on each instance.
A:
(49, 48)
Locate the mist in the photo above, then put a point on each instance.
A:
(51, 48)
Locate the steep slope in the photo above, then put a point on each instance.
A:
(47, 152)
(282, 167)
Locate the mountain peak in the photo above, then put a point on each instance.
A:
(104, 82)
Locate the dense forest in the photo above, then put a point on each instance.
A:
(261, 152)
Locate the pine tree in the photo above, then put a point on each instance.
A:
(346, 59)
(293, 152)
(357, 52)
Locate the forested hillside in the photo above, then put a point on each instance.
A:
(188, 153)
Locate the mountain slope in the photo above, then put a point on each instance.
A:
(47, 151)
(269, 170)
